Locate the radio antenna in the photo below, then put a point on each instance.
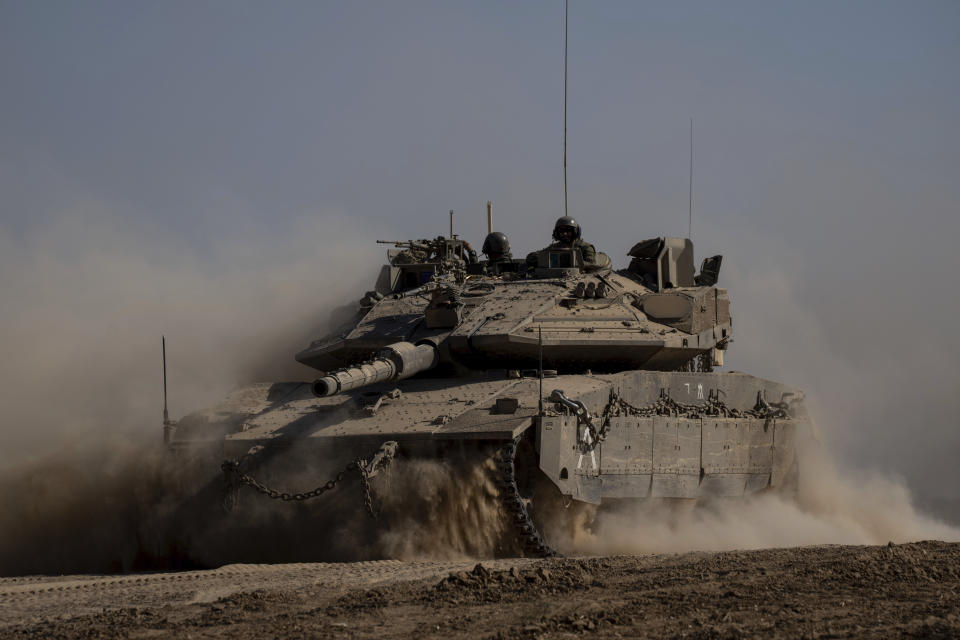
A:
(169, 426)
(540, 369)
(566, 20)
(166, 416)
(690, 198)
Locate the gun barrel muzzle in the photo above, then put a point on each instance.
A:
(395, 362)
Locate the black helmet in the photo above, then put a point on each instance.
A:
(566, 222)
(496, 242)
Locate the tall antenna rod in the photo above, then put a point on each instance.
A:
(690, 200)
(169, 426)
(566, 20)
(166, 416)
(540, 370)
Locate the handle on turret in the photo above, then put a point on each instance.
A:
(395, 362)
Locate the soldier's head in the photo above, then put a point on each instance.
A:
(566, 230)
(496, 246)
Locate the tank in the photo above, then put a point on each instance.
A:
(597, 382)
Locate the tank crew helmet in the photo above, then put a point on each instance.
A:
(564, 225)
(496, 245)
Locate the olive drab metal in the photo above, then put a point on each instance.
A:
(445, 353)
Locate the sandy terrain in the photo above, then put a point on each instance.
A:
(828, 591)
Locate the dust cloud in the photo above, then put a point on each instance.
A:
(83, 480)
(873, 350)
(871, 410)
(830, 506)
(87, 298)
(122, 509)
(86, 487)
(442, 510)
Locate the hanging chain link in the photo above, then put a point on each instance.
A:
(367, 492)
(234, 478)
(713, 407)
(232, 468)
(667, 406)
(528, 536)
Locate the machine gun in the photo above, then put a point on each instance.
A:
(445, 252)
(412, 245)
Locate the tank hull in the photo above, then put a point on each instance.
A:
(665, 434)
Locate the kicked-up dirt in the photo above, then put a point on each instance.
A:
(908, 590)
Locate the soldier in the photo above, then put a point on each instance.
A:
(470, 255)
(566, 233)
(497, 248)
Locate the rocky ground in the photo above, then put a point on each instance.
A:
(910, 590)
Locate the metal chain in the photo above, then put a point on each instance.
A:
(528, 536)
(367, 492)
(596, 437)
(663, 406)
(234, 478)
(705, 362)
(714, 407)
(667, 406)
(232, 468)
(700, 363)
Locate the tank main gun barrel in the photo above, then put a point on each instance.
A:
(395, 362)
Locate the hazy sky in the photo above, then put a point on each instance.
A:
(182, 141)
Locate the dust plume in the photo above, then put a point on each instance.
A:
(442, 510)
(830, 507)
(83, 477)
(86, 298)
(125, 508)
(885, 424)
(86, 488)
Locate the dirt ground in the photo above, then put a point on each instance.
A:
(909, 590)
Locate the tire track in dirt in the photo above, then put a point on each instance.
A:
(909, 590)
(32, 598)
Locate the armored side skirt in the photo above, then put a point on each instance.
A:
(669, 457)
(686, 453)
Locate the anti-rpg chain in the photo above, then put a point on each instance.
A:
(529, 537)
(714, 407)
(234, 478)
(667, 406)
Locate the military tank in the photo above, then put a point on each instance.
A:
(598, 381)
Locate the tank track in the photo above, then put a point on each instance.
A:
(529, 538)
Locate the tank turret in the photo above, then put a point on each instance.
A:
(652, 315)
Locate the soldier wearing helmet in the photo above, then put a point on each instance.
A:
(497, 248)
(566, 234)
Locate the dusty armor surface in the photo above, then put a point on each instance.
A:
(599, 380)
